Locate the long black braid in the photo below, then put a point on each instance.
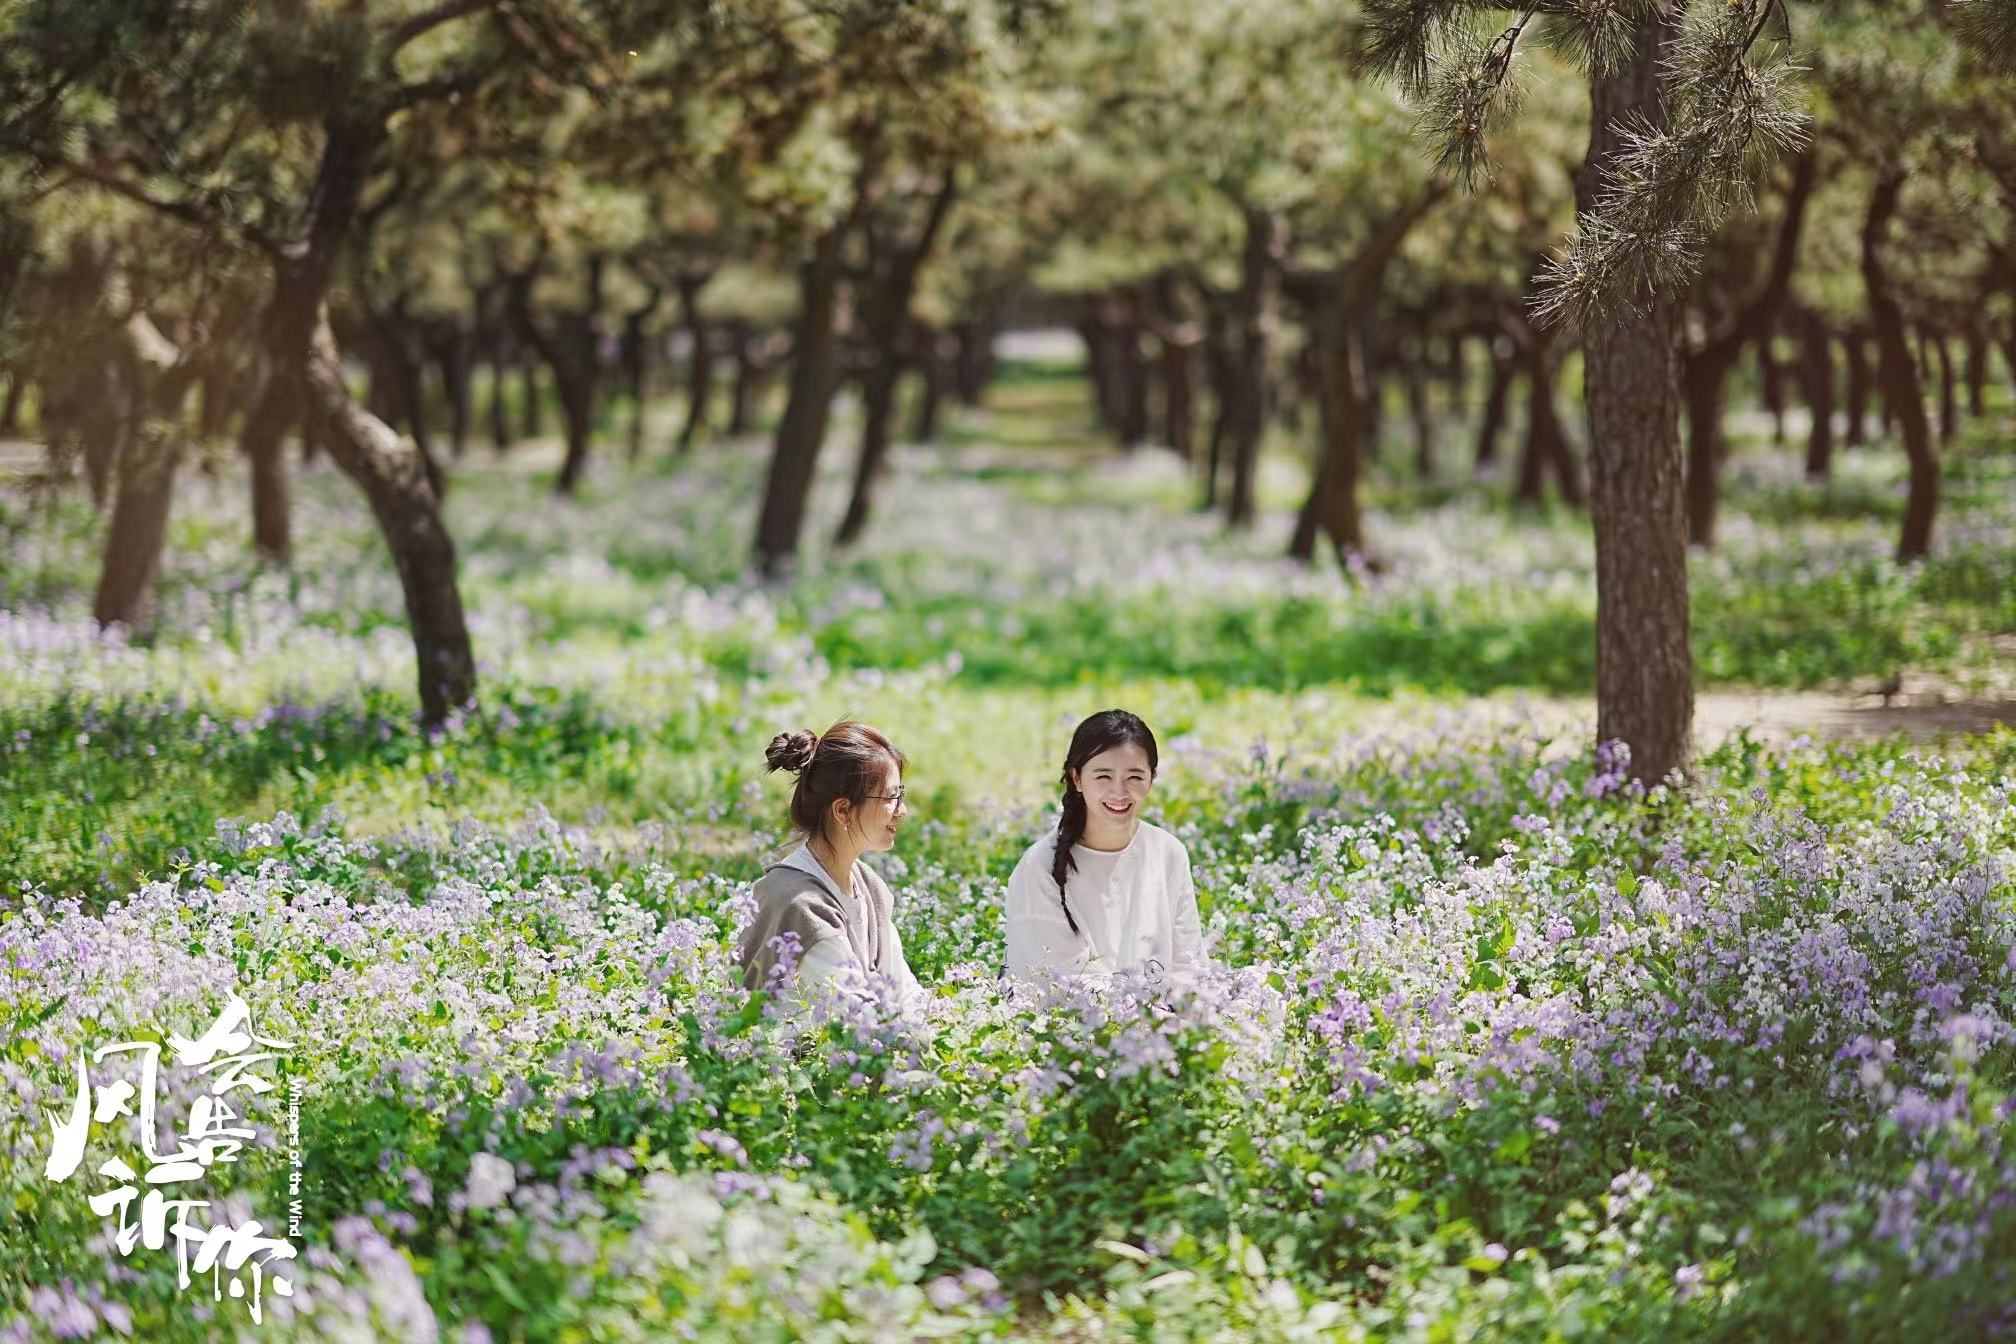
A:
(1070, 830)
(1102, 732)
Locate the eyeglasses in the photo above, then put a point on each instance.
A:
(896, 797)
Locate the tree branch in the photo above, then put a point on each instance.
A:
(450, 86)
(189, 212)
(426, 21)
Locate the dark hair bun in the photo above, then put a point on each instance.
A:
(791, 751)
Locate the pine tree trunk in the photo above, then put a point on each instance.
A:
(894, 262)
(631, 357)
(1644, 666)
(2005, 337)
(1705, 379)
(815, 365)
(1771, 379)
(741, 412)
(10, 409)
(409, 379)
(1816, 363)
(1544, 436)
(159, 376)
(138, 530)
(393, 477)
(577, 416)
(1503, 368)
(500, 376)
(1179, 396)
(974, 364)
(216, 389)
(1417, 412)
(1949, 406)
(1861, 387)
(1133, 382)
(878, 408)
(1977, 368)
(1333, 508)
(388, 468)
(699, 364)
(1218, 373)
(1098, 370)
(574, 355)
(1900, 378)
(933, 376)
(263, 441)
(1252, 349)
(453, 355)
(531, 410)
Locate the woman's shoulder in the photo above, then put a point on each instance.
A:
(1162, 842)
(1036, 861)
(786, 885)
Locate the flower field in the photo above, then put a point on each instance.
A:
(1500, 1047)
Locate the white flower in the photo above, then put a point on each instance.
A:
(490, 1179)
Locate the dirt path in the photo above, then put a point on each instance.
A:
(1782, 716)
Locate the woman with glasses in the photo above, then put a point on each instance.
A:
(848, 802)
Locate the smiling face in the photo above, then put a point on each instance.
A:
(1115, 784)
(874, 824)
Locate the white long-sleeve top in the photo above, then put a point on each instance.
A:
(1136, 908)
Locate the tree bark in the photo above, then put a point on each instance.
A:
(1771, 381)
(1977, 367)
(161, 376)
(1900, 378)
(407, 368)
(1644, 665)
(933, 377)
(573, 353)
(974, 364)
(2005, 339)
(1705, 379)
(10, 409)
(1504, 365)
(1099, 373)
(531, 409)
(1336, 301)
(1816, 366)
(636, 360)
(741, 412)
(1253, 343)
(139, 528)
(1179, 395)
(1949, 406)
(700, 362)
(1218, 371)
(1860, 386)
(1546, 451)
(1332, 508)
(263, 437)
(393, 476)
(1132, 370)
(815, 369)
(1706, 369)
(452, 349)
(1416, 379)
(894, 263)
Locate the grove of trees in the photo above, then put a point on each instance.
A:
(383, 229)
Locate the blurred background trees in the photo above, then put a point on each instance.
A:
(1300, 231)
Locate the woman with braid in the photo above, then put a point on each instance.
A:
(1106, 891)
